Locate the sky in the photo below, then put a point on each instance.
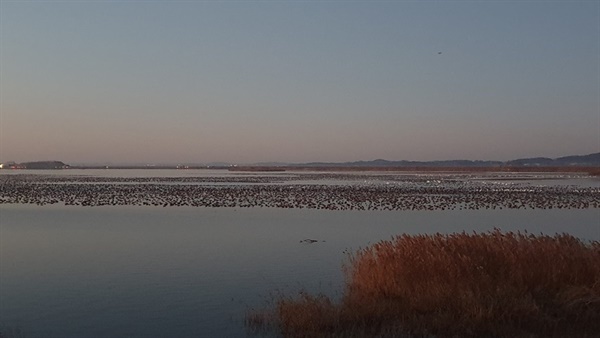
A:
(297, 81)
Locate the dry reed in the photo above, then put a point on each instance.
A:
(491, 284)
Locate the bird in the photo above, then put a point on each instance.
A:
(439, 53)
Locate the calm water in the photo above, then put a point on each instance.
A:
(132, 271)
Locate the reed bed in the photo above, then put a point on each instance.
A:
(490, 284)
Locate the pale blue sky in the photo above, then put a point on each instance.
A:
(296, 81)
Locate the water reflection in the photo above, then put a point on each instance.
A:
(154, 272)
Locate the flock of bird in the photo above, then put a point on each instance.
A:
(333, 191)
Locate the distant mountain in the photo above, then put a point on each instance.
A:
(575, 160)
(44, 165)
(534, 161)
(591, 160)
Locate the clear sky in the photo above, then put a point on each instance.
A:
(298, 81)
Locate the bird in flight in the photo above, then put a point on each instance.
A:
(439, 53)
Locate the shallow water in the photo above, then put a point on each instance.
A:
(133, 271)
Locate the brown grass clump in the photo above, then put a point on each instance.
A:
(460, 285)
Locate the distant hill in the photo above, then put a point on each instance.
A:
(44, 165)
(591, 160)
(576, 160)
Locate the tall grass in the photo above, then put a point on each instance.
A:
(460, 285)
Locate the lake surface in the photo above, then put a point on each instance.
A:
(153, 271)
